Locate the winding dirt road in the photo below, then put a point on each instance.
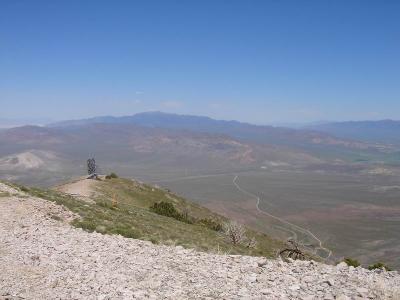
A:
(301, 229)
(283, 221)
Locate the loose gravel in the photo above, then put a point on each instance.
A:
(43, 257)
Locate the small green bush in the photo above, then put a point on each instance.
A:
(352, 262)
(125, 232)
(210, 223)
(87, 225)
(168, 209)
(379, 265)
(24, 189)
(111, 175)
(106, 205)
(154, 241)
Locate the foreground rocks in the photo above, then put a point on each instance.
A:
(45, 258)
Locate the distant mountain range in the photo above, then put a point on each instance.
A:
(155, 143)
(299, 138)
(384, 131)
(9, 123)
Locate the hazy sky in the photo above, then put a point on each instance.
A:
(258, 61)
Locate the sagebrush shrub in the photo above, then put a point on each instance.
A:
(168, 209)
(111, 175)
(210, 223)
(379, 265)
(352, 262)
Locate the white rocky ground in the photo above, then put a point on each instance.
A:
(42, 258)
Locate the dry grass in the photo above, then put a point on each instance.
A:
(123, 207)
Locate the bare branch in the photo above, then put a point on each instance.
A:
(235, 232)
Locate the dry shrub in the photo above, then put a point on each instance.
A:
(235, 232)
(251, 243)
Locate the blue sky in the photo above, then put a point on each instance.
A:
(257, 61)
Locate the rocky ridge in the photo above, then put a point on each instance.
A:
(43, 257)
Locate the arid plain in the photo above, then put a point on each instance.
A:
(354, 215)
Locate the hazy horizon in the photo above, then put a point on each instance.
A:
(262, 62)
(9, 122)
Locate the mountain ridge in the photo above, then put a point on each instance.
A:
(161, 142)
(300, 138)
(381, 131)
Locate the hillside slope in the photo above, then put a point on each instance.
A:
(43, 257)
(125, 207)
